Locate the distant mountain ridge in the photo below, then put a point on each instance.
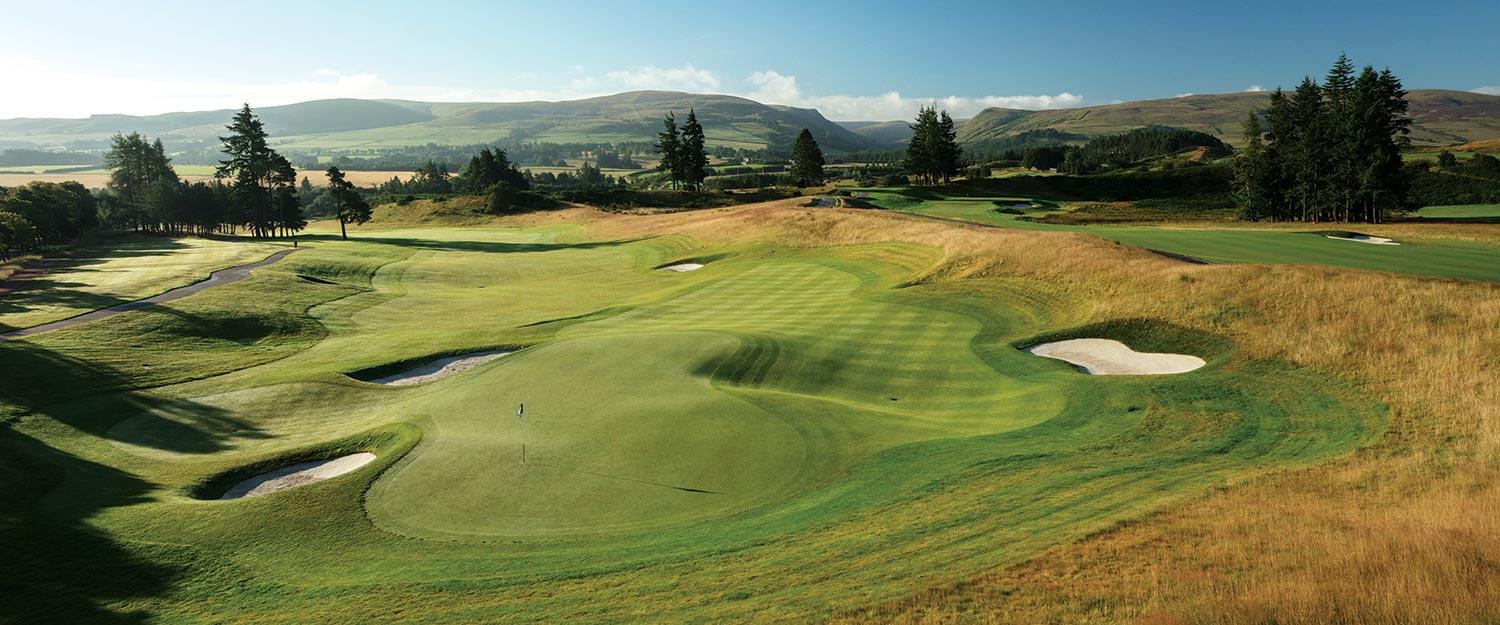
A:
(348, 124)
(1442, 117)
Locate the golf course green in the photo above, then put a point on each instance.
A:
(786, 432)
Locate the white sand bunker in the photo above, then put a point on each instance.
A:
(682, 267)
(1364, 238)
(440, 368)
(297, 475)
(1110, 357)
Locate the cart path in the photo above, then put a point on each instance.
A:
(217, 278)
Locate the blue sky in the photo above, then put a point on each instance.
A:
(851, 60)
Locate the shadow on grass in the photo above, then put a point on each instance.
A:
(56, 567)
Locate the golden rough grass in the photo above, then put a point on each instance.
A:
(1404, 531)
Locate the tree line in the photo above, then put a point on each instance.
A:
(1329, 152)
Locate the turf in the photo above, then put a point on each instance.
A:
(785, 433)
(117, 271)
(1430, 256)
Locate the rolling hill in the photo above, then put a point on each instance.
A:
(365, 124)
(1442, 117)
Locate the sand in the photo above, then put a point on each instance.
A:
(297, 475)
(681, 267)
(1361, 238)
(1110, 357)
(440, 368)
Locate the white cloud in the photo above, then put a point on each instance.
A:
(1491, 90)
(1254, 89)
(60, 92)
(685, 78)
(774, 87)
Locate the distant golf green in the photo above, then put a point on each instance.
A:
(1435, 257)
(1473, 212)
(784, 432)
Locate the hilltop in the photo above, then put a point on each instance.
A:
(347, 123)
(1442, 117)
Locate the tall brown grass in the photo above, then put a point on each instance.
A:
(1406, 530)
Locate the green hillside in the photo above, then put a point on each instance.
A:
(343, 124)
(1442, 117)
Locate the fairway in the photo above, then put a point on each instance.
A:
(116, 272)
(1469, 260)
(787, 431)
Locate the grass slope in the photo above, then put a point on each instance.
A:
(849, 431)
(1471, 260)
(116, 271)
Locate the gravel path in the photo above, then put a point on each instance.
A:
(217, 278)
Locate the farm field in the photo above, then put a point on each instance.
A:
(807, 425)
(1425, 252)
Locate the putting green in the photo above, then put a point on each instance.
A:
(784, 433)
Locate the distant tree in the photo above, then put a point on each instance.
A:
(1251, 182)
(250, 166)
(1447, 160)
(57, 212)
(1044, 157)
(1332, 152)
(16, 234)
(932, 154)
(136, 166)
(349, 205)
(1485, 163)
(669, 147)
(922, 150)
(949, 154)
(286, 207)
(694, 157)
(807, 159)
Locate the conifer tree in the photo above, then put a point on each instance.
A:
(694, 155)
(669, 147)
(807, 159)
(349, 205)
(249, 167)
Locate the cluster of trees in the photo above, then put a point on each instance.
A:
(1454, 181)
(262, 183)
(585, 177)
(1329, 152)
(1127, 148)
(44, 213)
(682, 153)
(490, 169)
(807, 159)
(933, 155)
(607, 159)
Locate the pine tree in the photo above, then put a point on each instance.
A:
(349, 205)
(807, 159)
(693, 155)
(922, 149)
(249, 167)
(1251, 188)
(949, 157)
(669, 147)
